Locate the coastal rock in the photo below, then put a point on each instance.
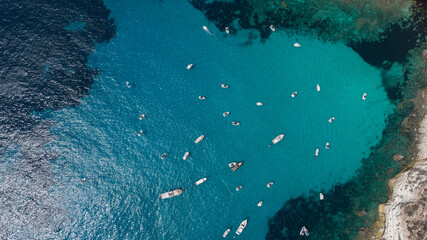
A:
(397, 157)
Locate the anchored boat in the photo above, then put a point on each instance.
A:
(189, 66)
(200, 181)
(235, 167)
(226, 233)
(278, 138)
(303, 231)
(185, 155)
(170, 194)
(199, 139)
(242, 227)
(270, 184)
(294, 94)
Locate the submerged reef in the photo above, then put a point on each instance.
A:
(390, 35)
(42, 66)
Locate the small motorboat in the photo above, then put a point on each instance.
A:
(139, 133)
(237, 166)
(163, 156)
(316, 153)
(327, 145)
(297, 45)
(294, 94)
(226, 233)
(321, 196)
(141, 117)
(364, 96)
(331, 119)
(232, 164)
(170, 194)
(189, 66)
(235, 123)
(202, 97)
(318, 87)
(128, 84)
(259, 103)
(227, 30)
(199, 139)
(242, 227)
(238, 188)
(224, 85)
(272, 28)
(200, 181)
(303, 231)
(207, 30)
(278, 138)
(185, 155)
(270, 184)
(260, 203)
(226, 114)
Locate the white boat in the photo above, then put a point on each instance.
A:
(238, 188)
(227, 30)
(235, 123)
(364, 96)
(327, 145)
(226, 114)
(297, 45)
(294, 94)
(141, 117)
(259, 103)
(202, 97)
(224, 85)
(331, 119)
(321, 196)
(270, 184)
(189, 66)
(316, 153)
(163, 156)
(260, 203)
(226, 233)
(207, 30)
(170, 194)
(185, 155)
(278, 138)
(318, 87)
(199, 139)
(272, 28)
(232, 164)
(139, 133)
(200, 181)
(303, 231)
(128, 84)
(242, 227)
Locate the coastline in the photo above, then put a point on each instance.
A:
(401, 217)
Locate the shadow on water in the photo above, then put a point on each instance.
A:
(42, 66)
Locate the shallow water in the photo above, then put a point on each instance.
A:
(124, 173)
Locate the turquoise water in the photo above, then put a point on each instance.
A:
(124, 173)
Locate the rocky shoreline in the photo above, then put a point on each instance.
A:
(405, 214)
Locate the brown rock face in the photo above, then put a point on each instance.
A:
(397, 157)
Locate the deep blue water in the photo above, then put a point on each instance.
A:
(97, 140)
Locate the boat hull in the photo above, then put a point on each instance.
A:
(170, 194)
